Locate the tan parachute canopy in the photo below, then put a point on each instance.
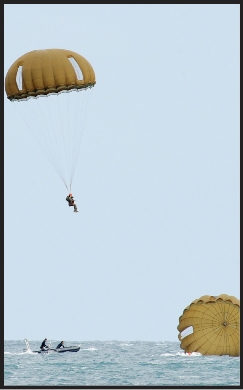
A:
(38, 85)
(48, 71)
(211, 325)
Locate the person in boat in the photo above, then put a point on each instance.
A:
(43, 346)
(71, 202)
(60, 345)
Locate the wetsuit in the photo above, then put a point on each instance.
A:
(60, 345)
(43, 345)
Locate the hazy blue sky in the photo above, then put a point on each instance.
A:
(157, 180)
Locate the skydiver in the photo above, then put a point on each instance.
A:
(71, 202)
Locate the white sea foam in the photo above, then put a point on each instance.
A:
(181, 354)
(189, 354)
(19, 353)
(126, 345)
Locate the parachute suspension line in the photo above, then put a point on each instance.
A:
(54, 131)
(80, 131)
(62, 150)
(70, 129)
(75, 133)
(45, 133)
(84, 119)
(62, 126)
(43, 128)
(33, 124)
(68, 134)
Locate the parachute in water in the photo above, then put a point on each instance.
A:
(211, 325)
(37, 82)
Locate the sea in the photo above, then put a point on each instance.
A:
(112, 364)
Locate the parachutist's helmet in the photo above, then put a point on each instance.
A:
(70, 195)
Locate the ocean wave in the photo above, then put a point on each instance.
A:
(90, 349)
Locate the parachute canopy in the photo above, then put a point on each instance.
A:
(211, 325)
(43, 86)
(41, 72)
